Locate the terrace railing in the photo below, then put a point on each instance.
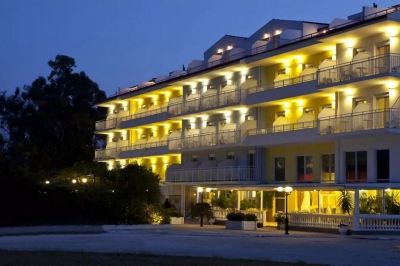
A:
(106, 124)
(383, 64)
(283, 83)
(105, 154)
(318, 220)
(376, 222)
(205, 102)
(384, 118)
(212, 174)
(143, 146)
(207, 139)
(145, 113)
(283, 128)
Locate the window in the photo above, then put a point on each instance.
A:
(382, 165)
(211, 157)
(304, 168)
(328, 168)
(251, 160)
(356, 166)
(230, 156)
(280, 169)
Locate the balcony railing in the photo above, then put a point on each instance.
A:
(106, 124)
(212, 174)
(360, 69)
(284, 83)
(105, 154)
(377, 222)
(282, 128)
(145, 113)
(385, 118)
(206, 140)
(144, 146)
(319, 220)
(205, 103)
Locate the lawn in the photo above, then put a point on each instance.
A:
(31, 258)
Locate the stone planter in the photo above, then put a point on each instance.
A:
(177, 220)
(241, 225)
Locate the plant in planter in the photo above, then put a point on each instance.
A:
(201, 210)
(241, 221)
(280, 220)
(346, 205)
(176, 218)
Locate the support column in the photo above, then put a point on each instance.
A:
(183, 200)
(356, 219)
(261, 200)
(319, 201)
(238, 200)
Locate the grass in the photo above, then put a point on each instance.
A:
(36, 258)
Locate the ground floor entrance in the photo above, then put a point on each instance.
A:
(317, 207)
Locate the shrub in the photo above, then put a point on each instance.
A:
(279, 217)
(239, 216)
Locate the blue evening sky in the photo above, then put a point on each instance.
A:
(122, 42)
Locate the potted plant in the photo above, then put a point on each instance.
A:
(280, 220)
(346, 205)
(200, 210)
(176, 218)
(241, 221)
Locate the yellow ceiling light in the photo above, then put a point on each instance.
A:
(278, 32)
(392, 31)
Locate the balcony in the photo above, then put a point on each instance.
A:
(202, 103)
(105, 154)
(144, 113)
(359, 69)
(378, 119)
(147, 148)
(282, 128)
(106, 124)
(284, 83)
(203, 140)
(228, 174)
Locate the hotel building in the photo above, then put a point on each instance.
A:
(314, 106)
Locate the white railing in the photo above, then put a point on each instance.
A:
(106, 124)
(143, 146)
(318, 220)
(205, 102)
(212, 174)
(105, 154)
(282, 128)
(145, 113)
(376, 222)
(358, 69)
(283, 83)
(385, 118)
(206, 140)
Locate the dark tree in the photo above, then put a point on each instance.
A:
(49, 125)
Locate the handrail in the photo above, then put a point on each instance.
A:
(147, 145)
(283, 83)
(205, 102)
(283, 128)
(377, 119)
(370, 66)
(158, 110)
(235, 173)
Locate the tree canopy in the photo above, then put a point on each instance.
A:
(49, 125)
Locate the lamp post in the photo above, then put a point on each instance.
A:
(287, 191)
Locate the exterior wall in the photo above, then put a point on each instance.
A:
(290, 153)
(371, 145)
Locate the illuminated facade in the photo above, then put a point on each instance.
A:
(309, 105)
